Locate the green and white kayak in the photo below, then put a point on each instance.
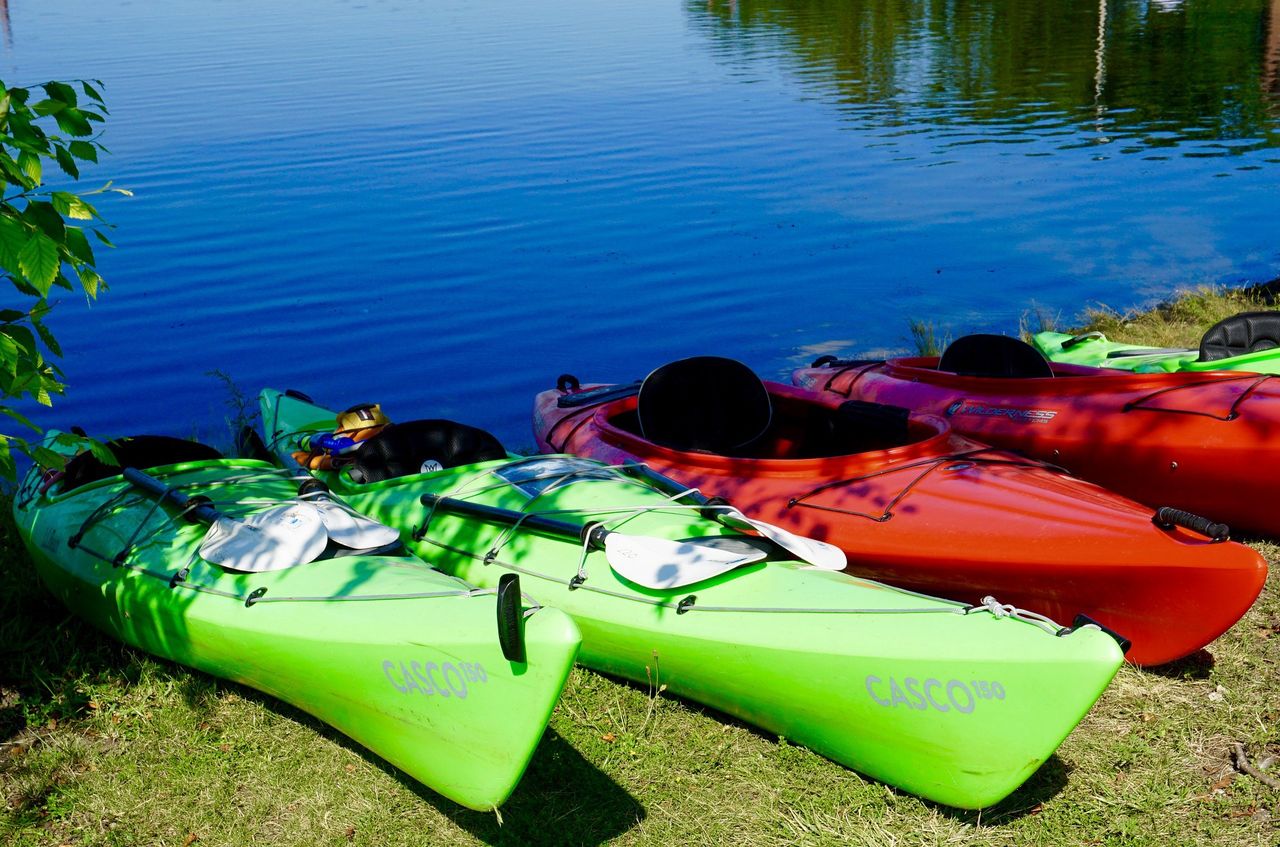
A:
(956, 702)
(404, 659)
(1249, 342)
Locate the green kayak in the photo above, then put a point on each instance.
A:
(404, 659)
(1249, 341)
(958, 703)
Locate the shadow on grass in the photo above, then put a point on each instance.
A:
(1199, 665)
(562, 798)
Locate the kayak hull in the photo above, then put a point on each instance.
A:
(1202, 442)
(913, 691)
(394, 654)
(947, 516)
(1095, 351)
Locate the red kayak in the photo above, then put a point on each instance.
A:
(913, 503)
(1205, 442)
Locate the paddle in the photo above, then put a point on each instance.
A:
(344, 526)
(820, 554)
(276, 538)
(644, 560)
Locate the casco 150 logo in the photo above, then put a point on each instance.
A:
(953, 695)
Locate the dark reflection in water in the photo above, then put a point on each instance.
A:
(1202, 76)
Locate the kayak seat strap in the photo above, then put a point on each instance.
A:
(1247, 332)
(137, 451)
(997, 356)
(705, 403)
(419, 446)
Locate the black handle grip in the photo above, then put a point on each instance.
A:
(603, 394)
(1167, 517)
(1080, 339)
(510, 618)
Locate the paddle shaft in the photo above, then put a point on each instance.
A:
(197, 508)
(593, 534)
(667, 485)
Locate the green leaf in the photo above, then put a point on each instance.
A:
(8, 469)
(61, 92)
(62, 282)
(46, 458)
(91, 91)
(46, 217)
(86, 150)
(107, 241)
(19, 417)
(49, 107)
(13, 174)
(78, 245)
(13, 237)
(66, 162)
(47, 337)
(90, 281)
(11, 315)
(31, 166)
(39, 261)
(72, 121)
(71, 206)
(24, 340)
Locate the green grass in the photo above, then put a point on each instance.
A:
(1177, 322)
(102, 745)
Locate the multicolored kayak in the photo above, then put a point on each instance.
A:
(1249, 341)
(217, 564)
(914, 504)
(958, 703)
(1200, 442)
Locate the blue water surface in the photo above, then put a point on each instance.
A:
(442, 205)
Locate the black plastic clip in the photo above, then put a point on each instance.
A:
(254, 596)
(118, 561)
(180, 576)
(491, 556)
(1085, 620)
(686, 604)
(576, 581)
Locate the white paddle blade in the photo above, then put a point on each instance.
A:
(661, 563)
(277, 538)
(351, 529)
(820, 554)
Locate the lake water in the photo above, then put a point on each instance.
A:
(442, 205)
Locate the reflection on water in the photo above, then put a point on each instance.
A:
(1198, 75)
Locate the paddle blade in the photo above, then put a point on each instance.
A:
(661, 563)
(277, 538)
(351, 529)
(820, 554)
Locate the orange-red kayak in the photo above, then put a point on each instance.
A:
(943, 514)
(1206, 442)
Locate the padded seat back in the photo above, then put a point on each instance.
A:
(996, 356)
(402, 449)
(1247, 332)
(705, 403)
(137, 451)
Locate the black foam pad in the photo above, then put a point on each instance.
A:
(138, 451)
(994, 356)
(401, 449)
(703, 403)
(1247, 332)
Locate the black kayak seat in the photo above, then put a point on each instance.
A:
(871, 426)
(404, 448)
(136, 451)
(1247, 332)
(705, 403)
(996, 356)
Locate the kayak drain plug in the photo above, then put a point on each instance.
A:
(510, 631)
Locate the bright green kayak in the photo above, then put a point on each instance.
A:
(402, 658)
(956, 703)
(1249, 342)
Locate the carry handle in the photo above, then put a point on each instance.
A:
(1080, 339)
(1167, 517)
